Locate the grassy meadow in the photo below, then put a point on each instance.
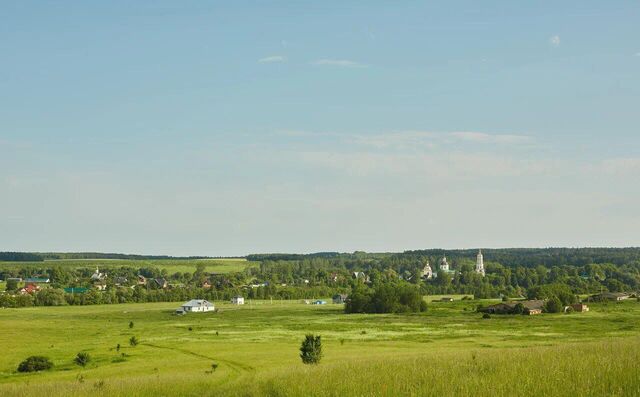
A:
(226, 265)
(449, 350)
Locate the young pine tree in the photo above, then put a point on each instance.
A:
(311, 349)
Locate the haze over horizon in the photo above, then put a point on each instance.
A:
(221, 130)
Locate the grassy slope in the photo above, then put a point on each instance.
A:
(171, 265)
(449, 350)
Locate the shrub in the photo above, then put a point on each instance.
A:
(130, 324)
(386, 298)
(486, 316)
(518, 308)
(133, 341)
(82, 359)
(553, 305)
(35, 364)
(311, 349)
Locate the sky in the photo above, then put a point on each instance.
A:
(229, 128)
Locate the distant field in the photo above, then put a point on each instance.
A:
(171, 265)
(449, 350)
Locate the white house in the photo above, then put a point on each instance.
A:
(196, 305)
(237, 300)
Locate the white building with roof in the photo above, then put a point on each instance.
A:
(237, 300)
(196, 306)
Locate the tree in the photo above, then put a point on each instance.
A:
(82, 359)
(311, 349)
(133, 341)
(12, 284)
(35, 364)
(50, 297)
(130, 324)
(553, 305)
(518, 308)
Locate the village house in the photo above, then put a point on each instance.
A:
(97, 276)
(530, 308)
(196, 306)
(206, 284)
(142, 280)
(76, 290)
(120, 281)
(340, 298)
(580, 307)
(37, 280)
(29, 289)
(361, 276)
(158, 283)
(237, 300)
(609, 296)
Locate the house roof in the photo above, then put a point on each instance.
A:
(77, 290)
(36, 280)
(197, 303)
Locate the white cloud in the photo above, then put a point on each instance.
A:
(481, 137)
(273, 59)
(555, 40)
(440, 166)
(345, 63)
(620, 166)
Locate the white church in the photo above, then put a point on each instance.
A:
(428, 273)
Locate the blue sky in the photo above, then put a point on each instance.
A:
(225, 129)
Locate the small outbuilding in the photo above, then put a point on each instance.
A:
(580, 307)
(237, 300)
(339, 298)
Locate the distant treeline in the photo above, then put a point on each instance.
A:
(292, 257)
(42, 256)
(20, 257)
(531, 257)
(509, 257)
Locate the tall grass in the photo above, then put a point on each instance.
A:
(604, 368)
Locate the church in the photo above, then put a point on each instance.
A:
(428, 273)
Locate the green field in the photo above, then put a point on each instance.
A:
(449, 350)
(227, 265)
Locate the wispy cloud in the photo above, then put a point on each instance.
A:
(345, 63)
(482, 137)
(273, 59)
(555, 40)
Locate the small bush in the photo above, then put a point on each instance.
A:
(311, 349)
(553, 305)
(130, 324)
(518, 308)
(133, 341)
(82, 359)
(35, 364)
(486, 316)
